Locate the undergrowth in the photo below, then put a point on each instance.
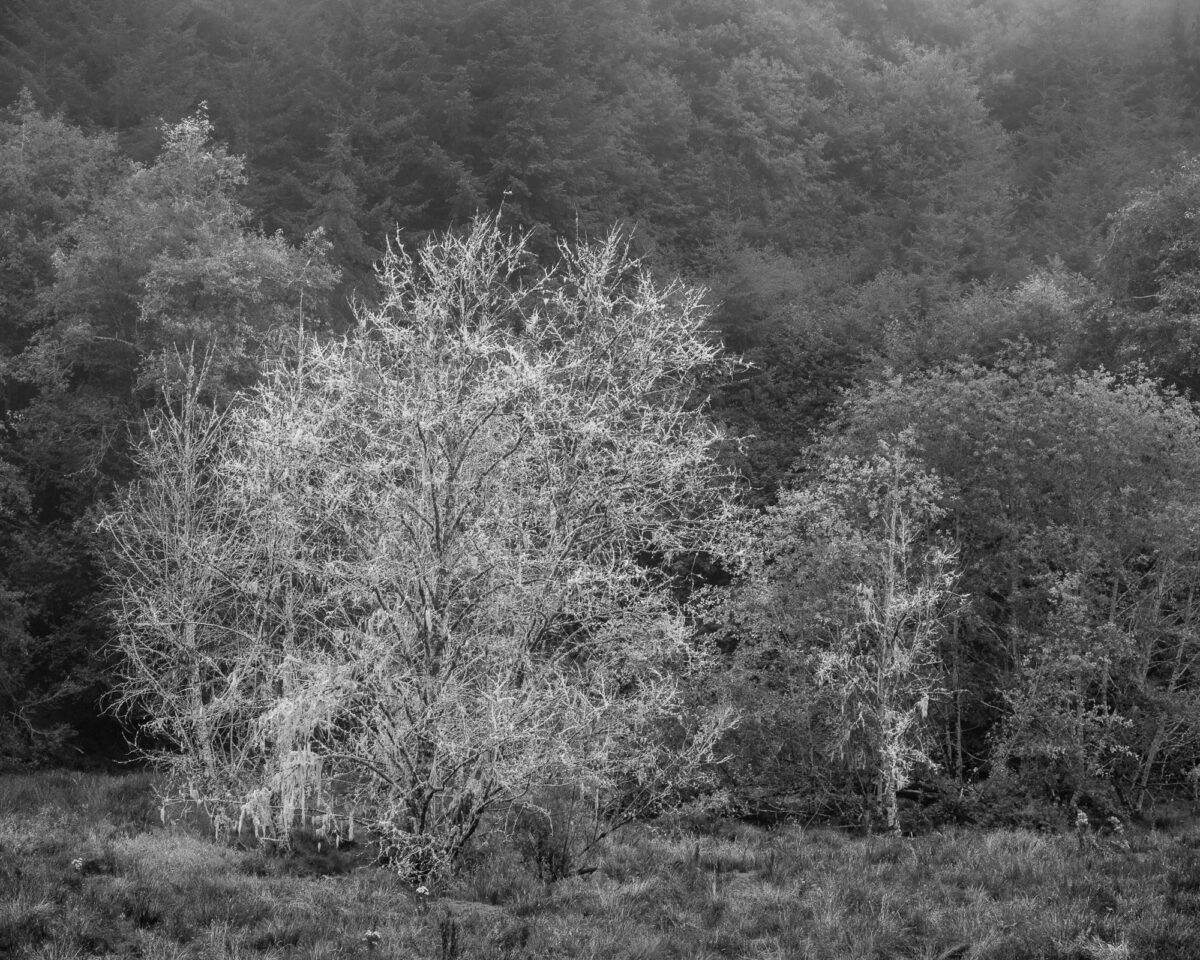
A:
(88, 870)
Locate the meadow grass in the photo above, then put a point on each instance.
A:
(87, 870)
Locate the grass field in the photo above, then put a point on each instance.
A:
(86, 869)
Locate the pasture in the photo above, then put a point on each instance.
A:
(88, 870)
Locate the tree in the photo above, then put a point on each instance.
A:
(1151, 268)
(123, 68)
(1073, 499)
(852, 586)
(106, 268)
(1094, 101)
(408, 579)
(50, 174)
(934, 169)
(169, 259)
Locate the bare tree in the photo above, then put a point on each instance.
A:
(401, 582)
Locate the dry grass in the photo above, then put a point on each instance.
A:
(86, 870)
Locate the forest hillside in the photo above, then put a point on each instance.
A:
(781, 405)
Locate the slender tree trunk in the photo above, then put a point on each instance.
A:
(958, 724)
(1148, 764)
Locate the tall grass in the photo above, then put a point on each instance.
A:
(87, 869)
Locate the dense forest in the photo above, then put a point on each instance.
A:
(950, 249)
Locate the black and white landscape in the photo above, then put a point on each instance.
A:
(625, 478)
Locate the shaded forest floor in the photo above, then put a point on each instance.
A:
(87, 870)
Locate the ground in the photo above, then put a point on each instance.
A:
(87, 869)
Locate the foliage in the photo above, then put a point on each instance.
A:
(405, 579)
(869, 190)
(51, 174)
(123, 69)
(933, 167)
(1051, 313)
(1072, 497)
(110, 266)
(852, 587)
(1094, 101)
(1151, 268)
(165, 261)
(913, 147)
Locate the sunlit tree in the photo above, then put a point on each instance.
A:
(408, 579)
